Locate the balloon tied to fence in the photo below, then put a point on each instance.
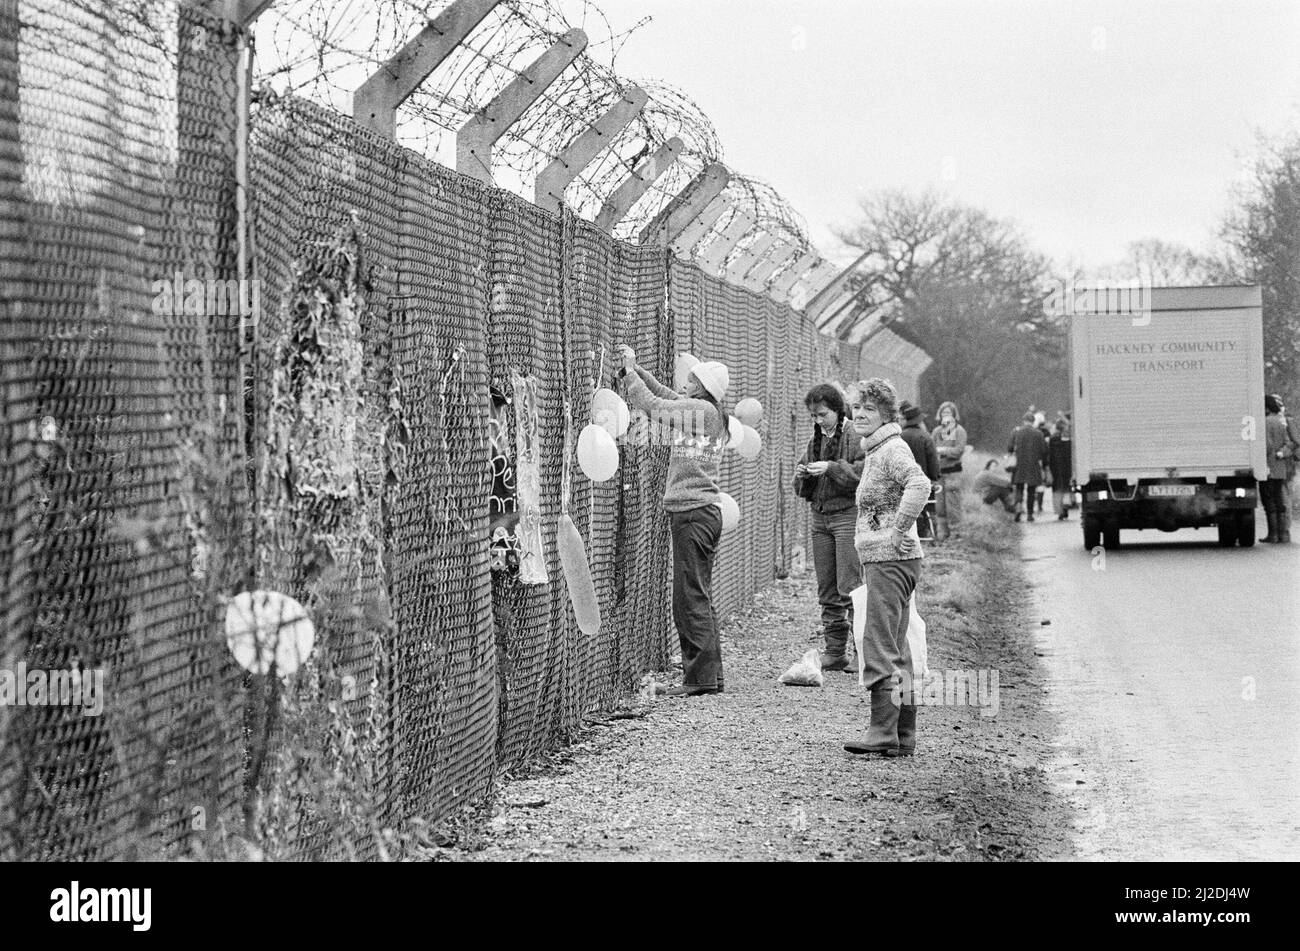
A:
(267, 628)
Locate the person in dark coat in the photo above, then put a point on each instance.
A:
(827, 476)
(1031, 452)
(1040, 422)
(1062, 466)
(1273, 491)
(926, 454)
(919, 441)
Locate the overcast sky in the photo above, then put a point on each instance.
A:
(1092, 124)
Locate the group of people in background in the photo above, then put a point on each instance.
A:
(1040, 456)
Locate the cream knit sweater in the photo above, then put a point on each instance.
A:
(892, 493)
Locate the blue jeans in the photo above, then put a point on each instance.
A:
(838, 573)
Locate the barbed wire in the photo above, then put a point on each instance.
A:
(324, 49)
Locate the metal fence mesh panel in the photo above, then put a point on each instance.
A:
(445, 678)
(642, 621)
(17, 462)
(173, 437)
(117, 406)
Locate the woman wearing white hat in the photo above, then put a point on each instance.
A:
(698, 428)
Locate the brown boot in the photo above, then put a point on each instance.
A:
(882, 735)
(1271, 517)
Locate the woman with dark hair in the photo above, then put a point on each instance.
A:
(695, 422)
(994, 485)
(892, 493)
(827, 475)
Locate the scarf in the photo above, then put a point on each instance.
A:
(880, 435)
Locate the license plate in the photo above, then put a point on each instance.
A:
(1171, 490)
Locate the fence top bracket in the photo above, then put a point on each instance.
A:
(375, 102)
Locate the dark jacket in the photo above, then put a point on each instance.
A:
(923, 448)
(834, 491)
(1060, 462)
(1031, 452)
(1278, 439)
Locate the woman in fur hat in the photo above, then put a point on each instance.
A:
(892, 493)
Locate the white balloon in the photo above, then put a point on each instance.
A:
(609, 412)
(751, 443)
(266, 626)
(682, 366)
(750, 411)
(730, 511)
(597, 453)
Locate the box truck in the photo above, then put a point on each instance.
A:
(1167, 386)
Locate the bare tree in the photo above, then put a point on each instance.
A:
(969, 291)
(1262, 237)
(1161, 263)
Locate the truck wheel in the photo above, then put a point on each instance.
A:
(1227, 530)
(1246, 528)
(1091, 532)
(1111, 537)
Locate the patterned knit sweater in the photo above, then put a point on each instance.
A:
(693, 428)
(892, 493)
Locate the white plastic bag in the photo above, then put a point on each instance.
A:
(806, 671)
(915, 651)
